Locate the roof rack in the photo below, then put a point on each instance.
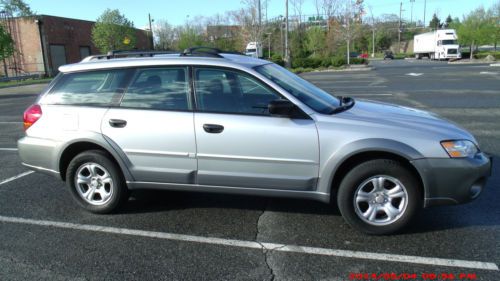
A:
(122, 53)
(200, 51)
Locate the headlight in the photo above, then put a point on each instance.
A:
(460, 148)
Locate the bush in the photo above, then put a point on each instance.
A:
(277, 59)
(482, 55)
(306, 62)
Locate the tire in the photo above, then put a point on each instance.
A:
(358, 193)
(102, 188)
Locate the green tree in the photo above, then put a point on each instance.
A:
(188, 37)
(435, 22)
(6, 47)
(448, 21)
(474, 29)
(16, 8)
(315, 40)
(113, 31)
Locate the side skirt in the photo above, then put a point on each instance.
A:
(313, 195)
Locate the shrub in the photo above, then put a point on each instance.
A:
(277, 59)
(338, 61)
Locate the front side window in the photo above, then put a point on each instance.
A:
(87, 88)
(225, 91)
(306, 92)
(158, 88)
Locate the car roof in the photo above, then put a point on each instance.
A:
(224, 59)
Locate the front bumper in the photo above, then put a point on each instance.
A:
(449, 181)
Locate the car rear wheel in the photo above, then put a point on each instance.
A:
(379, 196)
(96, 182)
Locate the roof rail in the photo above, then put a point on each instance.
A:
(127, 53)
(199, 51)
(202, 51)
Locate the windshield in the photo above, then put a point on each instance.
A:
(306, 92)
(450, 42)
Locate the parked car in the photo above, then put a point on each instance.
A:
(363, 56)
(210, 121)
(388, 55)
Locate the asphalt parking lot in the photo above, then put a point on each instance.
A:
(197, 236)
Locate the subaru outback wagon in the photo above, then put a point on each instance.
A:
(212, 121)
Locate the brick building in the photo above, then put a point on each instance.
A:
(43, 43)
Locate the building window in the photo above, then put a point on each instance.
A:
(84, 52)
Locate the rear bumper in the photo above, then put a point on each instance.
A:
(450, 181)
(38, 155)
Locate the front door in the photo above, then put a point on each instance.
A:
(240, 145)
(153, 126)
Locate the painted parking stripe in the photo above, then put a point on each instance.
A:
(16, 177)
(10, 122)
(7, 149)
(256, 245)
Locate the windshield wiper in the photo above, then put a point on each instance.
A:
(345, 103)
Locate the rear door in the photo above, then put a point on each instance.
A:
(240, 144)
(153, 126)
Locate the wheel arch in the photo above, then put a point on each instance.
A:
(71, 150)
(365, 150)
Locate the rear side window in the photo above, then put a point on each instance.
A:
(88, 88)
(163, 88)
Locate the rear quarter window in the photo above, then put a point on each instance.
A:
(88, 88)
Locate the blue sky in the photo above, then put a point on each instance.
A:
(176, 12)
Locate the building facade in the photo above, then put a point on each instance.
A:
(43, 43)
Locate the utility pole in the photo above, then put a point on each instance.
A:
(269, 45)
(260, 18)
(411, 17)
(151, 32)
(399, 28)
(287, 51)
(425, 6)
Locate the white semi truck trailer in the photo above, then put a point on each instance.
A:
(438, 44)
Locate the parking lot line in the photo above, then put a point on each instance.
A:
(7, 149)
(10, 122)
(16, 177)
(258, 245)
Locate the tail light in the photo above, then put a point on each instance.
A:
(31, 115)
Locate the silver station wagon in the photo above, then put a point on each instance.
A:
(213, 121)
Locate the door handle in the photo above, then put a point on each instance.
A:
(117, 123)
(213, 128)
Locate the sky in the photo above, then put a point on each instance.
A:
(177, 12)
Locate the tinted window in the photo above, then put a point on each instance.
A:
(87, 88)
(158, 88)
(227, 91)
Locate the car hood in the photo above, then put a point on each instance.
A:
(390, 116)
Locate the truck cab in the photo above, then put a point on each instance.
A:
(254, 49)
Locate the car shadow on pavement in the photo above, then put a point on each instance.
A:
(480, 213)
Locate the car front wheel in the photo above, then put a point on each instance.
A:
(379, 196)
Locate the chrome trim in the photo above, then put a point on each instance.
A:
(156, 152)
(251, 158)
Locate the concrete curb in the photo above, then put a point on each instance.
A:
(21, 85)
(470, 62)
(369, 68)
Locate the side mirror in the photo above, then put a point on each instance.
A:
(281, 107)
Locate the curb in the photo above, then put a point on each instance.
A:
(470, 62)
(21, 85)
(369, 68)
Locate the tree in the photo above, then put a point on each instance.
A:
(188, 37)
(165, 34)
(6, 47)
(474, 29)
(16, 8)
(435, 22)
(448, 21)
(112, 31)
